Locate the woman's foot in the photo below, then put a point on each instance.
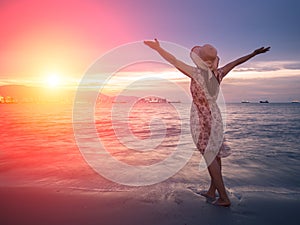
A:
(222, 202)
(209, 197)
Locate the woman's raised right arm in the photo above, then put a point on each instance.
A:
(181, 66)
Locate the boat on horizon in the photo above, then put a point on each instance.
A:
(265, 101)
(245, 101)
(295, 101)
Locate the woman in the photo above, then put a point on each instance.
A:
(206, 122)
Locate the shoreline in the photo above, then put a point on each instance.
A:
(42, 205)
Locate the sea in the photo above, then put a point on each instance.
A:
(45, 145)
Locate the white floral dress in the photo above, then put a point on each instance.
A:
(206, 120)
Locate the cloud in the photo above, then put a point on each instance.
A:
(266, 66)
(251, 69)
(293, 66)
(275, 89)
(273, 69)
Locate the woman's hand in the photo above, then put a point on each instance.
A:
(153, 44)
(261, 50)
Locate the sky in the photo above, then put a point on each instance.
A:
(53, 43)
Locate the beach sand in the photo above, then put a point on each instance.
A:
(35, 205)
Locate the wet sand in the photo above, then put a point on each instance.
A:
(35, 205)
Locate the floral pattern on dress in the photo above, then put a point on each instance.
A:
(206, 120)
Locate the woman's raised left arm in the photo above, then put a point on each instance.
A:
(227, 68)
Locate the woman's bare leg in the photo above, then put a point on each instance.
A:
(217, 182)
(212, 188)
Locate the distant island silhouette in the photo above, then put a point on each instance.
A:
(28, 94)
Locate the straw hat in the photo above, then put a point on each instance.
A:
(207, 53)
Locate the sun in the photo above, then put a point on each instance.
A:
(53, 80)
